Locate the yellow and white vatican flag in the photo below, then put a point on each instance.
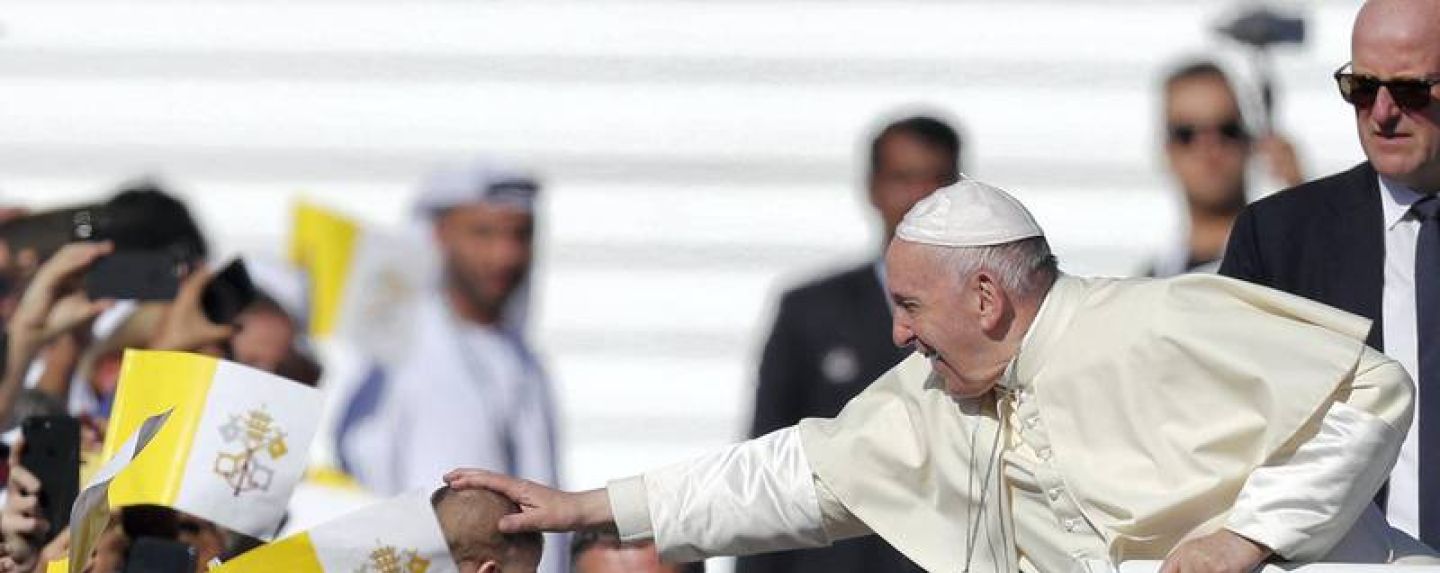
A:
(363, 281)
(399, 535)
(232, 448)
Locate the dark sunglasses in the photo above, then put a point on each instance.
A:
(1185, 133)
(1361, 90)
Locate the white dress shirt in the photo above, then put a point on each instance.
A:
(1398, 316)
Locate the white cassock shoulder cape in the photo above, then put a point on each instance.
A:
(1161, 398)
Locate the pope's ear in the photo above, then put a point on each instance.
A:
(989, 298)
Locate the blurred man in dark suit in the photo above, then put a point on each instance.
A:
(831, 336)
(1368, 240)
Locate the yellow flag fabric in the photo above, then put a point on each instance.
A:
(363, 281)
(91, 515)
(152, 383)
(234, 446)
(323, 243)
(295, 554)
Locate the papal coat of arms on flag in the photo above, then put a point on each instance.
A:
(255, 436)
(388, 559)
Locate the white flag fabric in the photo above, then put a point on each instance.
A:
(397, 535)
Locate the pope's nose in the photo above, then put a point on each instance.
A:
(900, 333)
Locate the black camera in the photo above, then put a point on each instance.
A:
(45, 232)
(1262, 28)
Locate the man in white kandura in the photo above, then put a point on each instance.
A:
(470, 370)
(1050, 423)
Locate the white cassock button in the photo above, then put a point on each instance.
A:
(1032, 421)
(1044, 453)
(1072, 524)
(1054, 493)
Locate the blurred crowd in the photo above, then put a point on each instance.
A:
(459, 384)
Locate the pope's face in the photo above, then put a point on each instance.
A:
(944, 317)
(1393, 41)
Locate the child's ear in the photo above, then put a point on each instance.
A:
(489, 566)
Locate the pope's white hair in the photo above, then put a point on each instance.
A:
(1025, 268)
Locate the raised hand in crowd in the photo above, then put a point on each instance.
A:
(1281, 160)
(53, 304)
(184, 325)
(22, 523)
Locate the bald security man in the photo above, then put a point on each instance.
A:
(1367, 240)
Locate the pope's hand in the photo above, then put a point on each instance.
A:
(1219, 552)
(541, 508)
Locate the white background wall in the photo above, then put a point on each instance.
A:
(700, 156)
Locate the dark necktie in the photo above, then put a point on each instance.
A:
(1427, 322)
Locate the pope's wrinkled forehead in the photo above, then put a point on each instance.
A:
(911, 267)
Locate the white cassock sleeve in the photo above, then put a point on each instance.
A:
(1302, 503)
(753, 497)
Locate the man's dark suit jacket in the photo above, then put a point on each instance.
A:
(1323, 240)
(830, 340)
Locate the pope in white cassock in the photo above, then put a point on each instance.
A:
(1050, 423)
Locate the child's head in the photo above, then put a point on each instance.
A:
(470, 520)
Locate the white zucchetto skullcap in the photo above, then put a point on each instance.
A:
(968, 214)
(480, 182)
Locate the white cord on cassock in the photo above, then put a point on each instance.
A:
(976, 518)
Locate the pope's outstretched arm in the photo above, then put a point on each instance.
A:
(753, 497)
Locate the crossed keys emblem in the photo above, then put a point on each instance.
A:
(388, 559)
(255, 435)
